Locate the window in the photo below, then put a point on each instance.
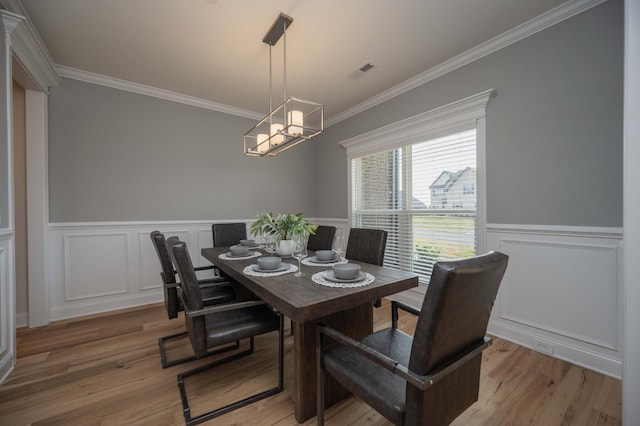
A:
(417, 193)
(422, 180)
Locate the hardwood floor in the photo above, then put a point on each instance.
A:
(105, 369)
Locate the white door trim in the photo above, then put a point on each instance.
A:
(38, 205)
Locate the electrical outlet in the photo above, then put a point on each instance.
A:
(543, 346)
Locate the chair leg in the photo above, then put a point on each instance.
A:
(319, 379)
(238, 404)
(394, 314)
(163, 352)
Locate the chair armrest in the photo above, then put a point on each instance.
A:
(424, 381)
(223, 307)
(420, 381)
(215, 282)
(204, 268)
(394, 311)
(406, 308)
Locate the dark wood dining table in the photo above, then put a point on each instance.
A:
(308, 304)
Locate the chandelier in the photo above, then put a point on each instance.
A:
(294, 120)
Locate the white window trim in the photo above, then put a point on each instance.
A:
(455, 117)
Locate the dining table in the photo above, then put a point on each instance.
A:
(308, 304)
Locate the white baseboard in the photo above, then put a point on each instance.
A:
(22, 319)
(562, 350)
(99, 306)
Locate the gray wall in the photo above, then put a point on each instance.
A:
(119, 156)
(554, 142)
(554, 130)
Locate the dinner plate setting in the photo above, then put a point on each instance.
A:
(313, 261)
(255, 271)
(229, 256)
(328, 279)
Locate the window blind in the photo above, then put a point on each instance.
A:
(424, 195)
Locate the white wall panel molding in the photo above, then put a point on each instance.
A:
(576, 231)
(7, 310)
(562, 293)
(95, 265)
(139, 224)
(103, 266)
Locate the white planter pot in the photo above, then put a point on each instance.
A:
(286, 247)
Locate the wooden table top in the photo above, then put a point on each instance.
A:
(302, 300)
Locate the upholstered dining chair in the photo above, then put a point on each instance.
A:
(228, 234)
(322, 239)
(434, 376)
(214, 290)
(209, 327)
(367, 245)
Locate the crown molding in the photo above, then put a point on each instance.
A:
(103, 80)
(533, 26)
(30, 50)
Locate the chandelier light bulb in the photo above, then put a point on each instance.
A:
(295, 120)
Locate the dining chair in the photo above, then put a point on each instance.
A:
(228, 234)
(214, 290)
(322, 239)
(432, 377)
(209, 327)
(367, 245)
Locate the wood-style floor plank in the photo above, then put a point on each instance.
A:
(105, 370)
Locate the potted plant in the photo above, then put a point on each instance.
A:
(285, 227)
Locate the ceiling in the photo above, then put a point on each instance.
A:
(213, 49)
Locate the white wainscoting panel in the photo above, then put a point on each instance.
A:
(95, 265)
(99, 267)
(7, 308)
(562, 292)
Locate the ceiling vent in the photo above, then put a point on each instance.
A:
(366, 67)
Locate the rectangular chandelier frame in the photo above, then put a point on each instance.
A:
(291, 123)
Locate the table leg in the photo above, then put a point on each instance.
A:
(356, 322)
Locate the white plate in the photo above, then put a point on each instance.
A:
(314, 259)
(283, 267)
(330, 276)
(239, 256)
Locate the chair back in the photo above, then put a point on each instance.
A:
(367, 245)
(456, 308)
(168, 274)
(228, 234)
(192, 297)
(159, 243)
(322, 239)
(454, 317)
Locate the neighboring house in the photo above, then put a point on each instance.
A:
(454, 190)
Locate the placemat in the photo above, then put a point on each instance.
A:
(248, 270)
